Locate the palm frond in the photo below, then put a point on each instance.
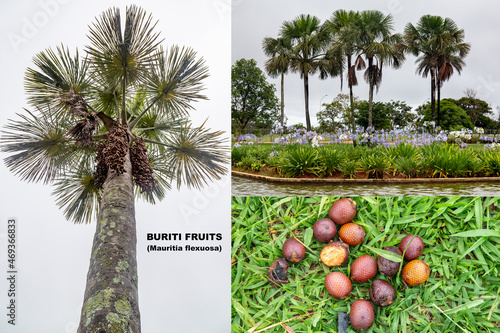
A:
(77, 195)
(39, 148)
(58, 73)
(195, 156)
(175, 82)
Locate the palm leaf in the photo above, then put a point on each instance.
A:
(40, 150)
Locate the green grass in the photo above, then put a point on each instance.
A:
(462, 246)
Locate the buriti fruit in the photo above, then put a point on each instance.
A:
(416, 272)
(334, 254)
(338, 284)
(382, 293)
(413, 245)
(293, 250)
(386, 266)
(278, 272)
(352, 234)
(361, 315)
(343, 211)
(363, 268)
(324, 230)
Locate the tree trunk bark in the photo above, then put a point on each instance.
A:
(282, 99)
(351, 101)
(370, 93)
(306, 97)
(433, 93)
(111, 298)
(438, 104)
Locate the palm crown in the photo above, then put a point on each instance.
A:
(128, 81)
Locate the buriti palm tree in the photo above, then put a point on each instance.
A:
(345, 27)
(279, 52)
(440, 48)
(380, 47)
(107, 129)
(309, 41)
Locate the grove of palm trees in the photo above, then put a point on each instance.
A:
(106, 127)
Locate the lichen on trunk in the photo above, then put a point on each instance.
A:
(111, 299)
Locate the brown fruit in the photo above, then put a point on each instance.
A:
(382, 293)
(416, 272)
(352, 234)
(334, 254)
(361, 315)
(386, 266)
(413, 247)
(293, 250)
(343, 210)
(363, 269)
(338, 284)
(278, 272)
(324, 230)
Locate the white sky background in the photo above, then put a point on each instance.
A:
(178, 291)
(254, 20)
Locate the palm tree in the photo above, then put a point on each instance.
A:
(346, 31)
(279, 52)
(107, 129)
(440, 48)
(380, 47)
(309, 39)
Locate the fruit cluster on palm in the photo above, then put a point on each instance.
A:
(107, 129)
(350, 41)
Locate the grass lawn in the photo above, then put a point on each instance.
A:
(462, 247)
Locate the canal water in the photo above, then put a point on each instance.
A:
(249, 187)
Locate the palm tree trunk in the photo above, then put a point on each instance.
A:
(351, 101)
(282, 99)
(306, 96)
(433, 93)
(370, 93)
(438, 106)
(111, 298)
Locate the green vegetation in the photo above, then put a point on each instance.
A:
(461, 237)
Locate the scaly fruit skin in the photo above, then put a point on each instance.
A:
(278, 272)
(416, 272)
(324, 230)
(415, 247)
(338, 284)
(343, 211)
(382, 293)
(363, 269)
(361, 315)
(386, 266)
(334, 254)
(293, 250)
(352, 234)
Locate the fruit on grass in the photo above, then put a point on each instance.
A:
(416, 272)
(334, 254)
(386, 266)
(293, 250)
(278, 272)
(363, 268)
(413, 247)
(352, 234)
(343, 210)
(382, 293)
(361, 315)
(324, 230)
(338, 284)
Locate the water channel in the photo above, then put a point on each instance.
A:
(249, 187)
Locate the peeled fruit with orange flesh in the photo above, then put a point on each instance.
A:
(361, 315)
(338, 284)
(352, 234)
(334, 254)
(343, 211)
(324, 230)
(293, 250)
(416, 272)
(363, 269)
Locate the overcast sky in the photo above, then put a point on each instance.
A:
(178, 291)
(257, 19)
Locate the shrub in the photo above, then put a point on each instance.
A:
(301, 160)
(331, 159)
(349, 168)
(374, 164)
